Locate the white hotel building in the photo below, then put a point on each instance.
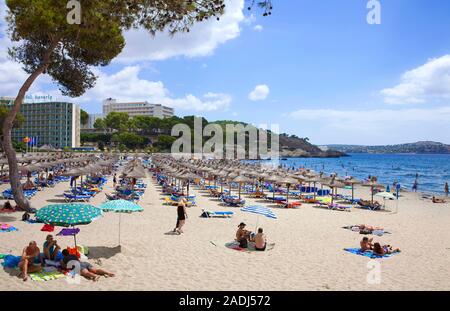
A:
(137, 109)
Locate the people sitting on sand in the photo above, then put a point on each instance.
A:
(87, 270)
(50, 248)
(260, 240)
(242, 235)
(366, 244)
(7, 206)
(29, 185)
(50, 177)
(384, 250)
(30, 256)
(436, 200)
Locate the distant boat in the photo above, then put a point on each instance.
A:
(283, 159)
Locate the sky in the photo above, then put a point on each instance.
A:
(315, 68)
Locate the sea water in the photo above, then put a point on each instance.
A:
(433, 170)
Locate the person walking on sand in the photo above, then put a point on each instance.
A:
(415, 185)
(446, 189)
(181, 216)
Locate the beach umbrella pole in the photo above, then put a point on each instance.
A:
(120, 220)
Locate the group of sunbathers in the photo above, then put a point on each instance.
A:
(244, 236)
(32, 260)
(367, 245)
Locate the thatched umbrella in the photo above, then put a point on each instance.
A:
(334, 185)
(353, 181)
(288, 181)
(241, 179)
(372, 185)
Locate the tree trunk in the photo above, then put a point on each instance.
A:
(10, 153)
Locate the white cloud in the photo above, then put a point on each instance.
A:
(258, 28)
(377, 126)
(427, 83)
(202, 39)
(259, 93)
(126, 85)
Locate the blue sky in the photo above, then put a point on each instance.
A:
(316, 68)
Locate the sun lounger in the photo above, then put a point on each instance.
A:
(211, 214)
(77, 197)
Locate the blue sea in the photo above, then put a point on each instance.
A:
(433, 170)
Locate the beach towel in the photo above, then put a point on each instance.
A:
(374, 232)
(48, 228)
(369, 254)
(249, 249)
(46, 275)
(7, 228)
(11, 261)
(68, 232)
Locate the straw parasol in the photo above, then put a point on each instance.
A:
(241, 179)
(288, 181)
(372, 185)
(353, 181)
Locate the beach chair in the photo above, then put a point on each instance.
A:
(76, 197)
(211, 214)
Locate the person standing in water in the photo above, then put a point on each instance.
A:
(446, 189)
(415, 185)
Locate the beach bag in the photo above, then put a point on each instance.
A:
(25, 217)
(243, 243)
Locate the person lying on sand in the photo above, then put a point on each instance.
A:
(86, 269)
(30, 254)
(51, 248)
(366, 244)
(384, 250)
(436, 200)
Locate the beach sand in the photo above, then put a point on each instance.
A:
(308, 252)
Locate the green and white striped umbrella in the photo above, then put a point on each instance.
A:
(121, 206)
(70, 214)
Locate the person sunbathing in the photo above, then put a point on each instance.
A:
(384, 250)
(366, 244)
(87, 270)
(29, 185)
(367, 229)
(51, 248)
(436, 200)
(260, 240)
(30, 255)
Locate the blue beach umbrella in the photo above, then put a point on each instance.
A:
(259, 210)
(120, 206)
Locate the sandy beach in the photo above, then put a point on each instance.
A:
(308, 252)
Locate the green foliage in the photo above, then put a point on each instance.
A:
(129, 140)
(84, 117)
(20, 119)
(117, 121)
(19, 146)
(101, 145)
(95, 138)
(164, 142)
(100, 124)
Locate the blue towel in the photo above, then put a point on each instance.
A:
(369, 254)
(11, 261)
(10, 229)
